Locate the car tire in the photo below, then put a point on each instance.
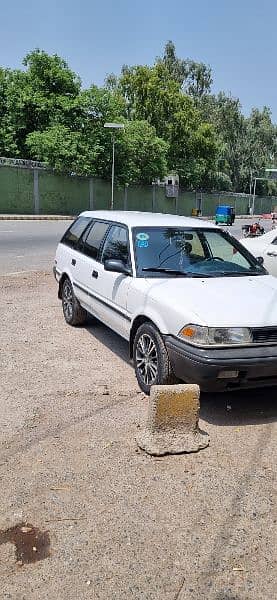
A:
(149, 346)
(73, 312)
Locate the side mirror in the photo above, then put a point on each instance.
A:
(116, 266)
(260, 260)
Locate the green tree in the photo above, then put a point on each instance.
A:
(152, 95)
(193, 148)
(194, 78)
(224, 113)
(45, 94)
(172, 123)
(141, 156)
(260, 148)
(11, 82)
(246, 145)
(62, 149)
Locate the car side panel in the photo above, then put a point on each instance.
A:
(140, 303)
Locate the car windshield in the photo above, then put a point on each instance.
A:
(185, 252)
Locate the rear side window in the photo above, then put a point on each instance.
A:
(92, 242)
(274, 241)
(74, 232)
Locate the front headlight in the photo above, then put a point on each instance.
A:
(215, 336)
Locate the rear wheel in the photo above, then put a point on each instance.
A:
(73, 312)
(152, 364)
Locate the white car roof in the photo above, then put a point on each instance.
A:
(147, 219)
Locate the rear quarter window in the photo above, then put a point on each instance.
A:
(75, 231)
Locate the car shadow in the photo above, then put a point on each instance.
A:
(244, 407)
(109, 338)
(241, 407)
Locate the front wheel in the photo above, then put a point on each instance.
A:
(152, 364)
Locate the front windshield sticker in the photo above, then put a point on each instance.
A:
(142, 243)
(142, 237)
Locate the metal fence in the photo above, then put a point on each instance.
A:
(31, 189)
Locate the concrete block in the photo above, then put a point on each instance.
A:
(172, 423)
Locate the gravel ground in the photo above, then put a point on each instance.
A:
(123, 525)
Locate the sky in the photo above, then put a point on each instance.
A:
(236, 38)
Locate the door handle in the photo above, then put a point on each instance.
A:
(271, 253)
(73, 262)
(95, 274)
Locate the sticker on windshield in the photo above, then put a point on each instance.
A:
(142, 237)
(142, 243)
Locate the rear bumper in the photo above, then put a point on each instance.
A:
(56, 273)
(257, 365)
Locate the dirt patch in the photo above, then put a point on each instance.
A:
(122, 525)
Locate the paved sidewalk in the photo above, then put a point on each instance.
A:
(4, 217)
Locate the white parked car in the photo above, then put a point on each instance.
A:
(266, 247)
(192, 302)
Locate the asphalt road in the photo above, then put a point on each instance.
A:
(31, 245)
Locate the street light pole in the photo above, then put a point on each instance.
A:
(112, 176)
(113, 126)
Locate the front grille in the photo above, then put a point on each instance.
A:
(264, 335)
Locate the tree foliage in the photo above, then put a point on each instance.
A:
(173, 123)
(247, 145)
(194, 78)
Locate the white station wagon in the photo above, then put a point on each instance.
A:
(193, 303)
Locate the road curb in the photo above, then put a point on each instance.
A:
(36, 218)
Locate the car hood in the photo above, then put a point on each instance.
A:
(220, 301)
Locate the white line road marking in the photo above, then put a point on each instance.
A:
(6, 231)
(17, 273)
(20, 256)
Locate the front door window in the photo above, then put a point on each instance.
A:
(116, 245)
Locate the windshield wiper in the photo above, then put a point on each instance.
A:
(164, 270)
(236, 273)
(176, 272)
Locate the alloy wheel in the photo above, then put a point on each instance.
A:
(67, 300)
(147, 359)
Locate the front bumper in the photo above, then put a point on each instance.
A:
(257, 365)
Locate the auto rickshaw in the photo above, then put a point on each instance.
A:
(225, 215)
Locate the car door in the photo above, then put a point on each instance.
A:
(112, 286)
(86, 268)
(270, 257)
